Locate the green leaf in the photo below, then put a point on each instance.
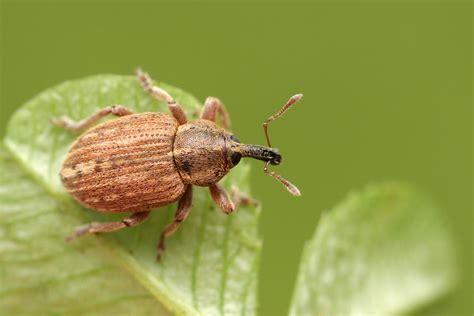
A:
(209, 267)
(383, 251)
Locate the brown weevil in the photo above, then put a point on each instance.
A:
(142, 161)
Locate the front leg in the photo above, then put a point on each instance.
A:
(240, 198)
(161, 95)
(221, 198)
(184, 206)
(212, 106)
(229, 203)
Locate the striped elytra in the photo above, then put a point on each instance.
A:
(125, 164)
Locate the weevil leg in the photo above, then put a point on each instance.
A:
(184, 206)
(92, 228)
(214, 106)
(221, 198)
(161, 95)
(67, 123)
(240, 198)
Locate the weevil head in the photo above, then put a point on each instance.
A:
(204, 153)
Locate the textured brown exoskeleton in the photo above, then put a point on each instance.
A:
(146, 160)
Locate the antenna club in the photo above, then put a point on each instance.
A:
(293, 190)
(295, 98)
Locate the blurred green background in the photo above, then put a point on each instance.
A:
(388, 95)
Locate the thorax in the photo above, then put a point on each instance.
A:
(200, 152)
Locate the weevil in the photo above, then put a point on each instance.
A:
(141, 161)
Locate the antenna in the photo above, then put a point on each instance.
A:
(288, 185)
(282, 111)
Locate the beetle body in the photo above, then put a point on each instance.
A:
(142, 161)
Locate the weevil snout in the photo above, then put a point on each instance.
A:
(267, 154)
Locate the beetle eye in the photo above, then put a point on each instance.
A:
(235, 139)
(235, 158)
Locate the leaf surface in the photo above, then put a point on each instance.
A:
(209, 267)
(383, 251)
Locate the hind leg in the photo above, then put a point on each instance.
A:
(93, 228)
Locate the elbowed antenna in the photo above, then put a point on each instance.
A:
(282, 111)
(288, 185)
